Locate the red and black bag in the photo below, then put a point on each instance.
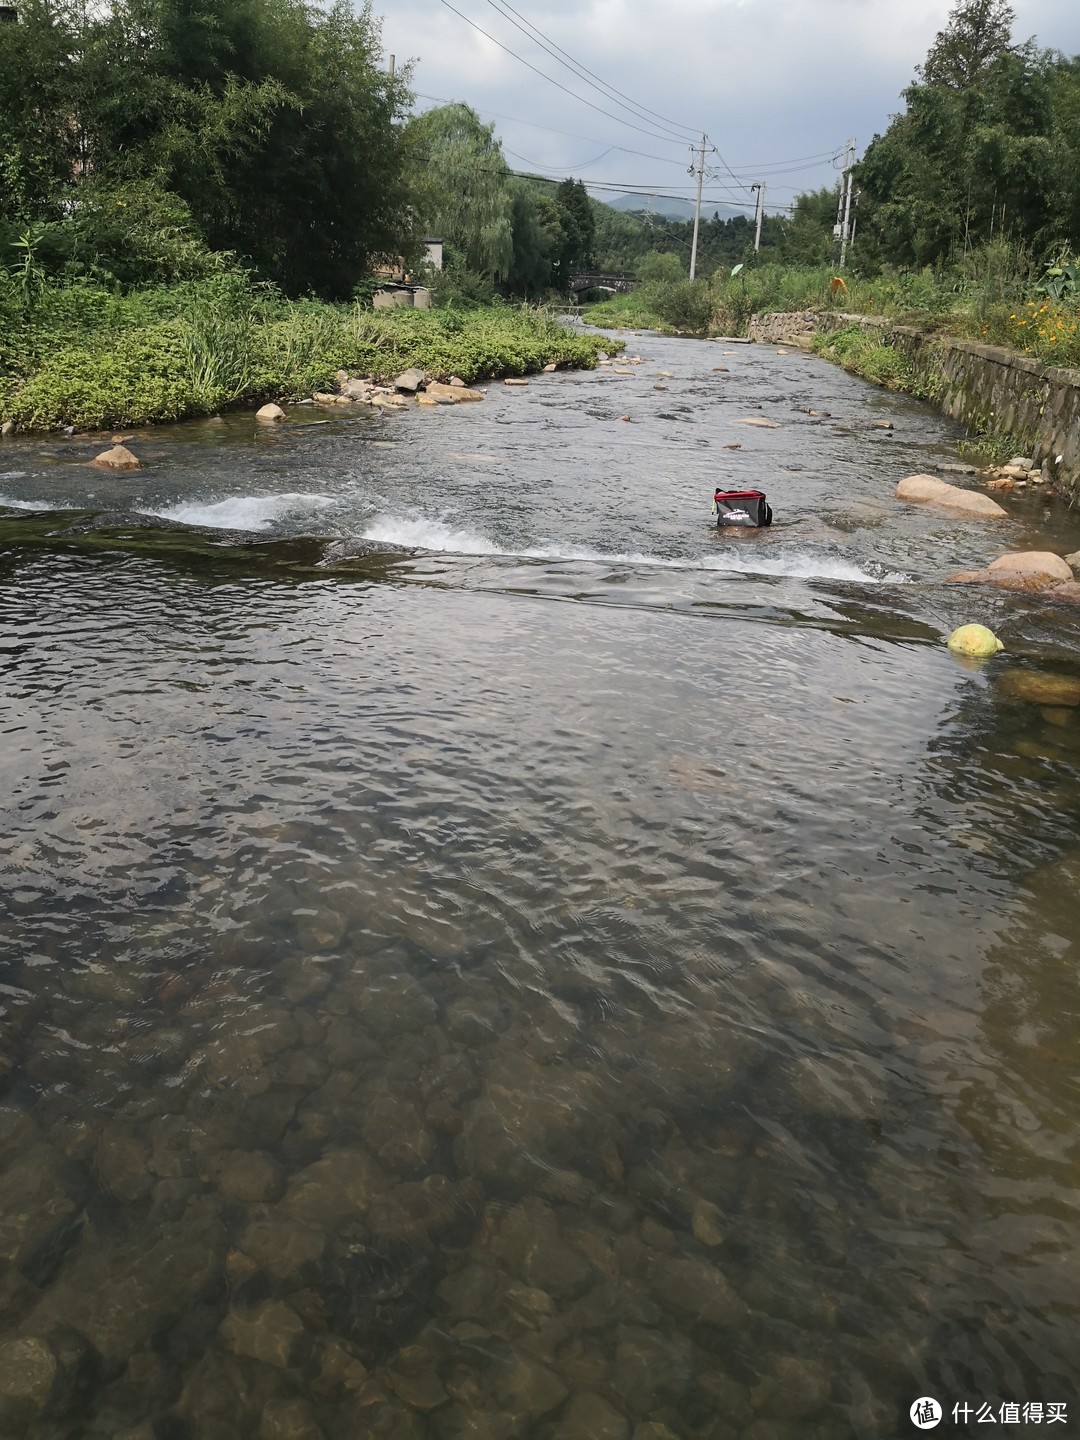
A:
(747, 508)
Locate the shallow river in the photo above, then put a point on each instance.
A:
(594, 978)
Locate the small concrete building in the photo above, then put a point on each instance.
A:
(433, 252)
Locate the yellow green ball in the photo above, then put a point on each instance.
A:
(974, 640)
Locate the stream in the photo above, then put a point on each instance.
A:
(590, 978)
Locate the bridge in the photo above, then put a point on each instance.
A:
(618, 282)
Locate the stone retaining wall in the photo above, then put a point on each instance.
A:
(984, 387)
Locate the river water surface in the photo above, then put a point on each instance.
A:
(591, 978)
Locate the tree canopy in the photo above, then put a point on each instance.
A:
(272, 122)
(988, 144)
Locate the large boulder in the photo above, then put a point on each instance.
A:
(410, 380)
(118, 458)
(270, 414)
(1043, 564)
(929, 490)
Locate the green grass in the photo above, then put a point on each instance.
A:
(865, 354)
(92, 358)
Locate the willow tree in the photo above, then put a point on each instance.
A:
(461, 188)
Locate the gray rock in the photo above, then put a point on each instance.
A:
(650, 1367)
(271, 1333)
(698, 1291)
(250, 1177)
(287, 1251)
(590, 1417)
(471, 1291)
(794, 1388)
(289, 1420)
(29, 1373)
(707, 1224)
(409, 381)
(434, 1208)
(392, 1005)
(529, 1119)
(40, 1195)
(117, 1295)
(530, 1244)
(475, 1019)
(337, 552)
(415, 1379)
(122, 1163)
(321, 929)
(526, 1388)
(393, 1128)
(337, 1188)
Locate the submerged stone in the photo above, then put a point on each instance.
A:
(272, 1333)
(697, 1290)
(29, 1372)
(591, 1417)
(1039, 687)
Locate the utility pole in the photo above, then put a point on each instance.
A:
(845, 221)
(393, 64)
(760, 188)
(697, 204)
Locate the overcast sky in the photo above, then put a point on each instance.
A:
(778, 85)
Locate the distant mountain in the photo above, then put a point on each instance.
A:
(671, 209)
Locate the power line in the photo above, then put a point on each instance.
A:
(777, 167)
(665, 139)
(642, 112)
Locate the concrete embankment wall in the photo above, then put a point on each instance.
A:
(984, 387)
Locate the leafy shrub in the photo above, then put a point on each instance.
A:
(686, 306)
(93, 357)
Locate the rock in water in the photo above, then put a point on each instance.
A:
(410, 380)
(1039, 687)
(453, 392)
(974, 640)
(1033, 563)
(118, 458)
(928, 490)
(270, 414)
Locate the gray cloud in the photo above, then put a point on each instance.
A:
(769, 80)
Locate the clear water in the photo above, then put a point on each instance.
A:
(595, 978)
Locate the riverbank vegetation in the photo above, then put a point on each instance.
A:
(89, 356)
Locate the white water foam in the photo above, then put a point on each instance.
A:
(436, 535)
(241, 512)
(44, 506)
